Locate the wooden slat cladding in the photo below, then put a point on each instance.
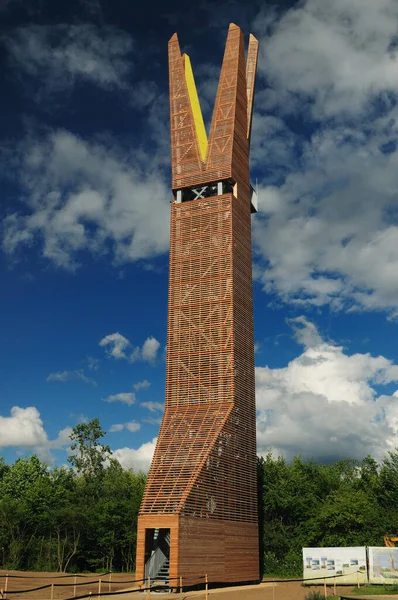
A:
(202, 481)
(230, 552)
(229, 139)
(184, 144)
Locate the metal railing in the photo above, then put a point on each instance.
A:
(157, 560)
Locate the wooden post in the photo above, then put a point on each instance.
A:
(358, 584)
(273, 589)
(324, 588)
(74, 587)
(52, 591)
(207, 587)
(1, 593)
(334, 586)
(99, 588)
(110, 582)
(6, 586)
(180, 587)
(148, 592)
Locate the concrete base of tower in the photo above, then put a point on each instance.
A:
(224, 551)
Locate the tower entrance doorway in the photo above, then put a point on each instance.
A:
(157, 554)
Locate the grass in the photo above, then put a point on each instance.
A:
(375, 590)
(317, 595)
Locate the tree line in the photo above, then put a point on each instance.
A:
(306, 504)
(84, 517)
(75, 519)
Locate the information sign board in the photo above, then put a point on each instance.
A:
(344, 565)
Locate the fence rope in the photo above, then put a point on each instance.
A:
(53, 576)
(155, 587)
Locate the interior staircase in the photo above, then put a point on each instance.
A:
(157, 568)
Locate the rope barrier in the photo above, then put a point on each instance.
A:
(155, 587)
(83, 583)
(53, 576)
(152, 588)
(41, 587)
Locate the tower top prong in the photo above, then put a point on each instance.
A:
(225, 154)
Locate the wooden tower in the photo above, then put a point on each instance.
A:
(199, 511)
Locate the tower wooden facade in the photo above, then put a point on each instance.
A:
(199, 511)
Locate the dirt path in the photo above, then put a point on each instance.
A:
(22, 581)
(63, 586)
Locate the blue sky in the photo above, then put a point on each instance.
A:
(85, 191)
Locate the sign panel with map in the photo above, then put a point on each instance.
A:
(347, 565)
(383, 565)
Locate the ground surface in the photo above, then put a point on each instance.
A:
(21, 582)
(24, 580)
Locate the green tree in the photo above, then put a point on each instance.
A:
(89, 454)
(19, 522)
(19, 478)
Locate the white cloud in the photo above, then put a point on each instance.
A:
(71, 376)
(153, 421)
(150, 349)
(79, 417)
(327, 232)
(116, 427)
(141, 385)
(324, 403)
(340, 54)
(115, 345)
(139, 459)
(62, 440)
(148, 352)
(125, 397)
(24, 429)
(59, 55)
(153, 406)
(87, 197)
(130, 425)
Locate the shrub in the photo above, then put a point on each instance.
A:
(314, 595)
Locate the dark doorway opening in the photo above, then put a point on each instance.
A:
(157, 555)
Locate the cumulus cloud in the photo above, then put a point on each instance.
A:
(71, 376)
(324, 141)
(80, 196)
(153, 406)
(62, 440)
(150, 349)
(125, 397)
(148, 352)
(130, 426)
(340, 54)
(139, 459)
(153, 421)
(324, 404)
(24, 429)
(141, 385)
(115, 345)
(58, 56)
